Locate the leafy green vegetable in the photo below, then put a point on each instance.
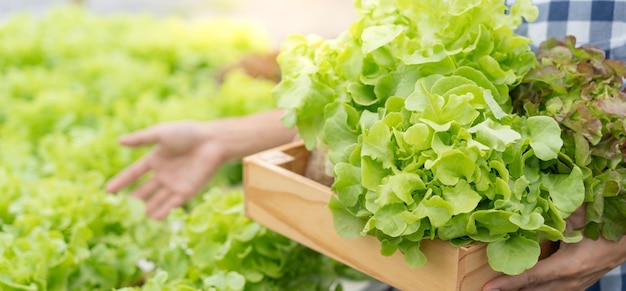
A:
(509, 251)
(70, 84)
(421, 131)
(584, 93)
(215, 247)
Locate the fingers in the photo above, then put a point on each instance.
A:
(159, 200)
(147, 189)
(133, 172)
(577, 219)
(156, 200)
(128, 175)
(563, 269)
(160, 204)
(543, 271)
(141, 137)
(570, 284)
(162, 210)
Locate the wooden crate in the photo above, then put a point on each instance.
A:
(279, 197)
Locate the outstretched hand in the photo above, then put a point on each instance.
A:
(183, 160)
(187, 154)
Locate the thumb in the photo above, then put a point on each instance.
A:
(142, 137)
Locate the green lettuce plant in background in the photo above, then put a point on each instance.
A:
(70, 84)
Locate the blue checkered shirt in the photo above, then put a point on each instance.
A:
(601, 23)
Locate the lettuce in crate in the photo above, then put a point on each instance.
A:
(420, 128)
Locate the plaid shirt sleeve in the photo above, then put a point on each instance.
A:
(613, 281)
(601, 23)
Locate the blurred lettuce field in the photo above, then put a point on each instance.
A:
(70, 84)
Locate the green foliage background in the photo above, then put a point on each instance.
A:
(70, 84)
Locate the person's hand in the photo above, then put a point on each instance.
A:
(183, 160)
(572, 267)
(187, 154)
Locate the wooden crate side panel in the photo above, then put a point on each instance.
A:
(296, 207)
(474, 269)
(293, 157)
